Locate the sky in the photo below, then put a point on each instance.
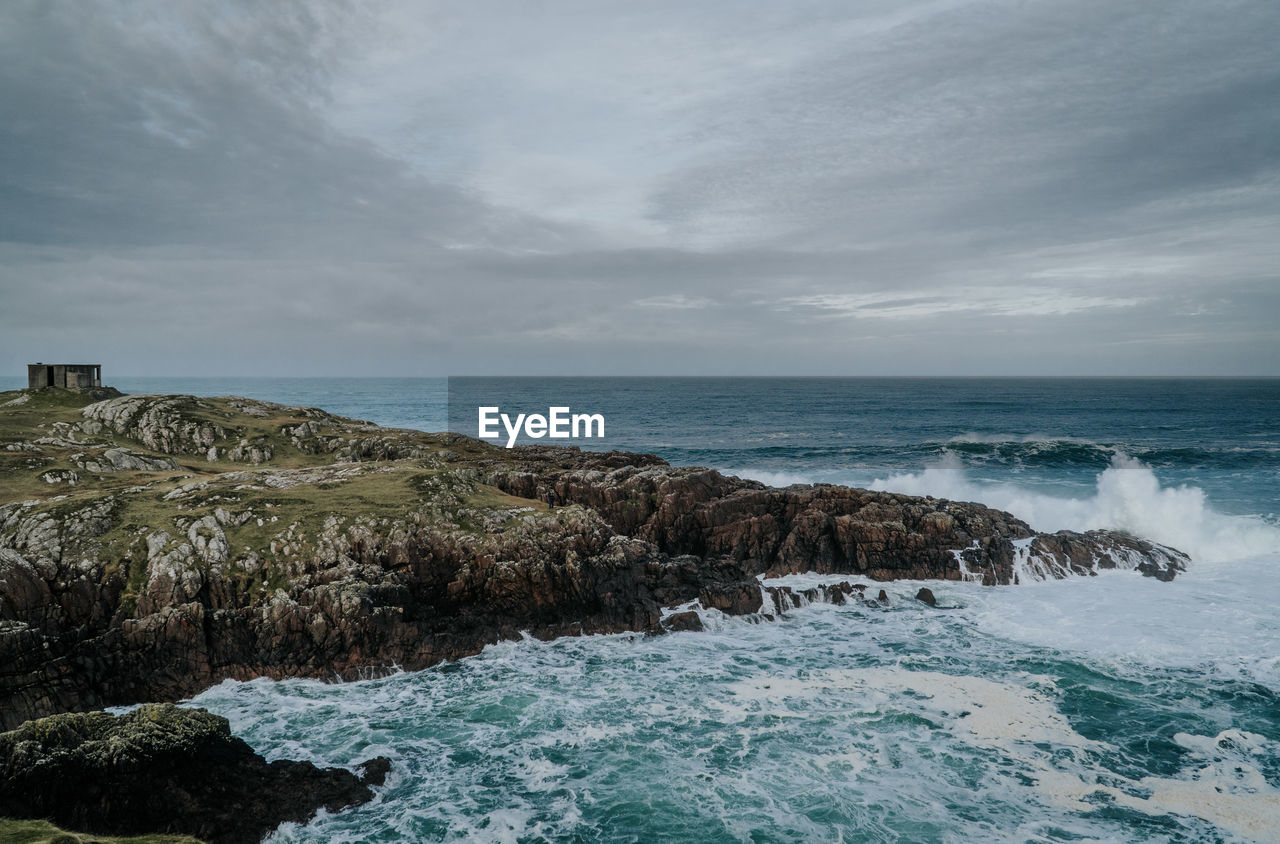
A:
(832, 188)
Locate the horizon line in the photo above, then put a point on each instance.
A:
(708, 375)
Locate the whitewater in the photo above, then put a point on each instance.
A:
(1106, 708)
(1128, 497)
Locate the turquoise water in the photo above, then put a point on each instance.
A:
(1110, 708)
(835, 723)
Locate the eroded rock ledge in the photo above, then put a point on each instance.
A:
(290, 542)
(161, 769)
(822, 528)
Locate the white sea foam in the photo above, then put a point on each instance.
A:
(1227, 788)
(989, 711)
(1209, 619)
(1000, 439)
(1022, 723)
(1128, 496)
(827, 723)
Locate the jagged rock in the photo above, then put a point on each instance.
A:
(377, 448)
(782, 598)
(24, 595)
(925, 595)
(168, 424)
(248, 452)
(1067, 552)
(124, 460)
(24, 446)
(160, 768)
(823, 528)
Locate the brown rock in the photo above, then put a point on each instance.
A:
(687, 620)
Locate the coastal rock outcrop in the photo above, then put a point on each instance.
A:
(160, 768)
(168, 424)
(821, 528)
(352, 549)
(124, 460)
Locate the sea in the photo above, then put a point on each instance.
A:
(1105, 708)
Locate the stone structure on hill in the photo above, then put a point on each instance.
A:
(70, 376)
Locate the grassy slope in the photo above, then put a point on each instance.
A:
(285, 521)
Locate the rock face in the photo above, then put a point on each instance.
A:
(168, 424)
(380, 548)
(822, 528)
(369, 599)
(124, 460)
(164, 769)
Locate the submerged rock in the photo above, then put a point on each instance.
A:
(164, 769)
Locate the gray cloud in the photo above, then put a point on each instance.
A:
(931, 187)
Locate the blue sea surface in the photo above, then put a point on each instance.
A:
(1055, 434)
(1109, 708)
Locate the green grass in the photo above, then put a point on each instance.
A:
(443, 491)
(43, 832)
(20, 471)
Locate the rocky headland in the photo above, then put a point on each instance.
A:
(151, 546)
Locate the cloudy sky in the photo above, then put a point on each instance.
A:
(411, 187)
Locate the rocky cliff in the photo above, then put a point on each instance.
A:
(153, 545)
(164, 769)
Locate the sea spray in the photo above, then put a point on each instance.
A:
(1127, 496)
